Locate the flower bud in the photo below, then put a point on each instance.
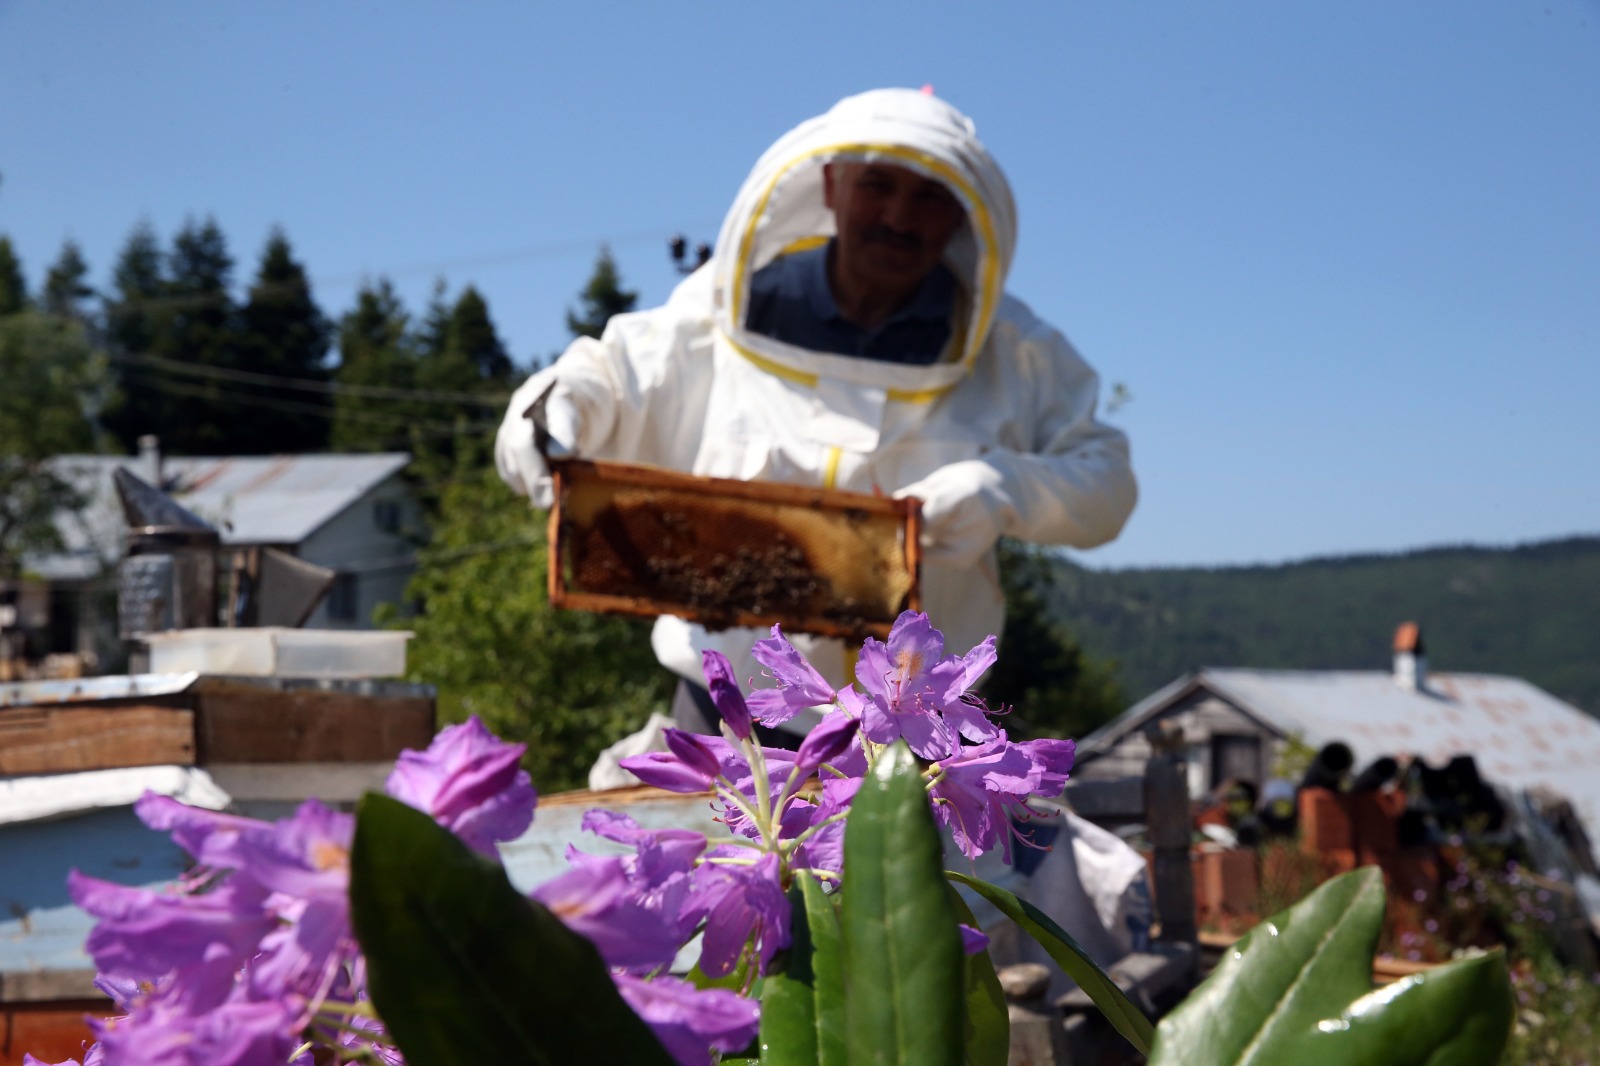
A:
(725, 692)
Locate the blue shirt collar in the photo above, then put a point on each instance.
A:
(933, 300)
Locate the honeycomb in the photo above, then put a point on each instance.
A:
(644, 541)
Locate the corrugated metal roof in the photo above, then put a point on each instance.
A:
(254, 499)
(1521, 736)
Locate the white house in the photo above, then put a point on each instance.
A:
(353, 514)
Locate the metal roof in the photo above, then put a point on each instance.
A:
(1521, 736)
(252, 499)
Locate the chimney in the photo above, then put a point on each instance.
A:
(150, 460)
(1410, 658)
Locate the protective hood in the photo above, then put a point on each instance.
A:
(780, 210)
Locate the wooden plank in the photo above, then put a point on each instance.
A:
(242, 723)
(53, 1032)
(48, 986)
(645, 607)
(67, 738)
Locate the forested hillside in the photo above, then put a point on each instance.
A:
(1531, 611)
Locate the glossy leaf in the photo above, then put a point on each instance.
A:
(1298, 989)
(827, 966)
(464, 969)
(988, 1032)
(788, 999)
(1119, 1010)
(802, 1008)
(903, 965)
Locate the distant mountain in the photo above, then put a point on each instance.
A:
(1531, 611)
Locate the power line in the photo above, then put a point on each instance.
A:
(250, 377)
(138, 301)
(372, 567)
(431, 427)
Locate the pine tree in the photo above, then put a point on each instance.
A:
(135, 314)
(1054, 687)
(285, 335)
(566, 683)
(461, 357)
(13, 287)
(202, 334)
(66, 292)
(376, 353)
(601, 298)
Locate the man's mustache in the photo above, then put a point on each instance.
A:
(894, 238)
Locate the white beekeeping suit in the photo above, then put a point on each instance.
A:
(998, 437)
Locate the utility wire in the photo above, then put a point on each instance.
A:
(374, 567)
(262, 290)
(250, 377)
(430, 426)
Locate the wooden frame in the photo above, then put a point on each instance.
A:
(569, 474)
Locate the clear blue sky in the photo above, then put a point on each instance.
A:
(1345, 256)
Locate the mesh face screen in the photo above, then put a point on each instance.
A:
(727, 553)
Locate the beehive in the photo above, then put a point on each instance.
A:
(640, 540)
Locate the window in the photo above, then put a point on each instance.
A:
(386, 515)
(343, 599)
(1235, 758)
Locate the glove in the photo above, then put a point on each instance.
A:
(965, 508)
(517, 458)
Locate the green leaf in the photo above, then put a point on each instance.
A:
(1298, 989)
(788, 1000)
(463, 968)
(1119, 1010)
(902, 956)
(988, 1019)
(827, 966)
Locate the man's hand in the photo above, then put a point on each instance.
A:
(548, 427)
(964, 511)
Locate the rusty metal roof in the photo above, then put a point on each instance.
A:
(252, 499)
(1521, 736)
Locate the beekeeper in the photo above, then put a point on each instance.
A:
(852, 330)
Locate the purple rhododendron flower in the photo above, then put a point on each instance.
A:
(692, 750)
(739, 903)
(826, 742)
(824, 849)
(192, 946)
(725, 694)
(691, 1022)
(632, 908)
(799, 684)
(905, 697)
(209, 836)
(235, 1034)
(962, 711)
(659, 853)
(1053, 760)
(973, 940)
(634, 927)
(664, 770)
(91, 1058)
(978, 787)
(469, 780)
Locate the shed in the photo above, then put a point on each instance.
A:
(353, 514)
(1237, 722)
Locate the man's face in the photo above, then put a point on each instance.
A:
(893, 223)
